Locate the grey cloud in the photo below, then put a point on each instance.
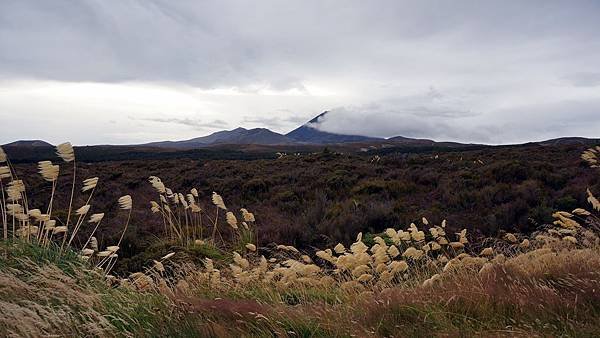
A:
(584, 79)
(282, 44)
(533, 122)
(277, 122)
(454, 70)
(196, 124)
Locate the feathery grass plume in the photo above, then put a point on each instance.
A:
(96, 218)
(510, 238)
(581, 212)
(125, 202)
(94, 243)
(218, 201)
(83, 210)
(35, 213)
(231, 220)
(157, 184)
(396, 267)
(65, 151)
(14, 209)
(158, 266)
(393, 251)
(591, 157)
(89, 184)
(247, 216)
(48, 171)
(87, 252)
(112, 248)
(15, 190)
(3, 157)
(339, 248)
(251, 247)
(190, 199)
(593, 200)
(413, 253)
(462, 236)
(195, 208)
(167, 256)
(182, 200)
(488, 252)
(456, 245)
(194, 192)
(59, 229)
(154, 207)
(105, 253)
(5, 172)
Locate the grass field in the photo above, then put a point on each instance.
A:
(213, 271)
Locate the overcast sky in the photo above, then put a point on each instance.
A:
(131, 71)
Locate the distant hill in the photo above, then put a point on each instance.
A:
(261, 136)
(29, 143)
(570, 141)
(308, 133)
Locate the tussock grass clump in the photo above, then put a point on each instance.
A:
(44, 292)
(43, 227)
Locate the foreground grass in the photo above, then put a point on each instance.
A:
(545, 292)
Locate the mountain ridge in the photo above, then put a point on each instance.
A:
(307, 134)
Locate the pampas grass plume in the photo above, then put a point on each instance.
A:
(96, 218)
(89, 184)
(218, 201)
(125, 202)
(48, 171)
(83, 210)
(232, 220)
(65, 151)
(5, 172)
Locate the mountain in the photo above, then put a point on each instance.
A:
(240, 135)
(29, 143)
(570, 141)
(307, 133)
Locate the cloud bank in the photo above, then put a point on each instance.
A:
(469, 71)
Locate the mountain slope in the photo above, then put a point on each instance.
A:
(307, 133)
(261, 136)
(29, 143)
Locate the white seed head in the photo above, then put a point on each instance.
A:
(125, 202)
(83, 210)
(65, 151)
(2, 155)
(157, 184)
(89, 184)
(218, 201)
(231, 220)
(96, 218)
(48, 171)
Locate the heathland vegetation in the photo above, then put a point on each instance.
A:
(454, 243)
